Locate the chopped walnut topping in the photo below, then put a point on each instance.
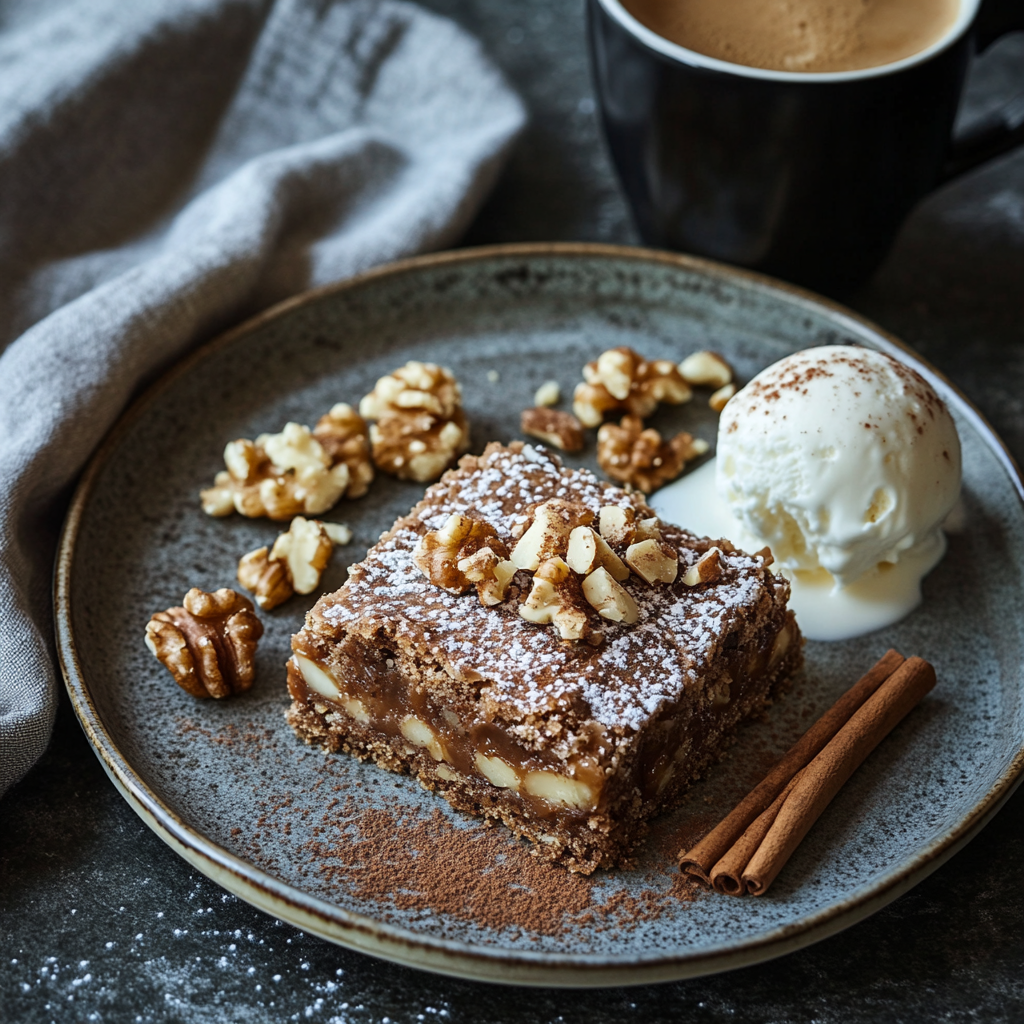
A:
(342, 434)
(575, 569)
(621, 380)
(278, 476)
(463, 553)
(548, 393)
(589, 550)
(548, 533)
(556, 598)
(648, 529)
(706, 569)
(421, 428)
(720, 399)
(639, 457)
(616, 525)
(295, 563)
(491, 574)
(559, 429)
(208, 643)
(653, 561)
(706, 369)
(608, 598)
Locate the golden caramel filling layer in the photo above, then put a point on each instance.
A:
(475, 749)
(376, 693)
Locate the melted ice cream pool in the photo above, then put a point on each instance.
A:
(879, 597)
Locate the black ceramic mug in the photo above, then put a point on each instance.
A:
(806, 176)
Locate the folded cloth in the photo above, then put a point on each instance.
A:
(168, 167)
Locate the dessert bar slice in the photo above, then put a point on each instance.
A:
(572, 743)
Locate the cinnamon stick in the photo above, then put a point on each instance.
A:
(727, 874)
(840, 758)
(699, 861)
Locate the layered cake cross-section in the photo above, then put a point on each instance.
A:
(535, 646)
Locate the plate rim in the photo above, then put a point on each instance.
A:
(365, 934)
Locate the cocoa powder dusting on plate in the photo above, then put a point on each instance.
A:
(404, 858)
(400, 858)
(481, 874)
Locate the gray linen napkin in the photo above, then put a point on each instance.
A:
(168, 167)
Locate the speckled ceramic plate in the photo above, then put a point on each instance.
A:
(350, 852)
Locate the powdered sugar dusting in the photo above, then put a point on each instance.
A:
(529, 674)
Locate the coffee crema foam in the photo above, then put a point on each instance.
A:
(800, 35)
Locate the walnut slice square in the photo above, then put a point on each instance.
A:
(571, 745)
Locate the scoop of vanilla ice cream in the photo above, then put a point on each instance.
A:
(839, 458)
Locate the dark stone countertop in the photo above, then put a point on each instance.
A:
(100, 921)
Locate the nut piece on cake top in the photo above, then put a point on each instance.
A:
(464, 552)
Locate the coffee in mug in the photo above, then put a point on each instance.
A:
(783, 164)
(800, 35)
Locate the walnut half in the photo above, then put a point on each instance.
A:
(295, 563)
(208, 643)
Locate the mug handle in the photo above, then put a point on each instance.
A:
(1003, 129)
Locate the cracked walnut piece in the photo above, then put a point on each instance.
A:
(421, 428)
(466, 552)
(706, 569)
(208, 643)
(559, 429)
(706, 369)
(342, 434)
(610, 600)
(639, 457)
(284, 475)
(720, 399)
(653, 561)
(548, 533)
(295, 563)
(621, 380)
(557, 598)
(549, 393)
